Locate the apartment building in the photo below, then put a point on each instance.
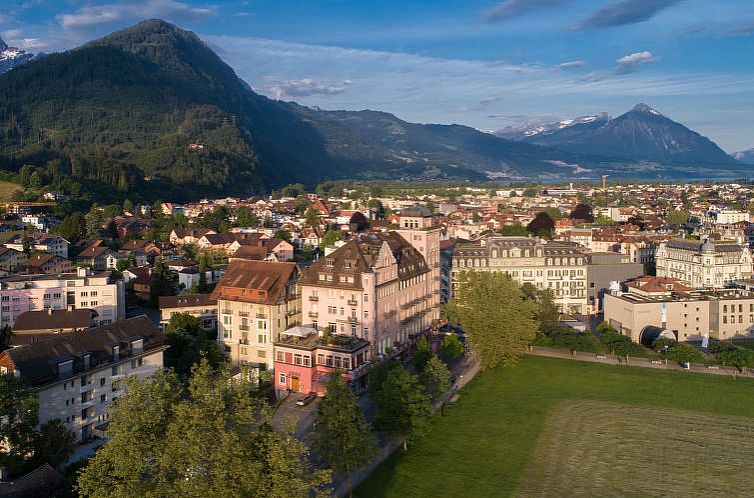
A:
(40, 243)
(376, 286)
(604, 269)
(256, 302)
(77, 376)
(559, 267)
(305, 357)
(701, 264)
(652, 303)
(201, 306)
(83, 289)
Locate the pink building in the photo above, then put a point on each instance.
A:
(304, 358)
(377, 287)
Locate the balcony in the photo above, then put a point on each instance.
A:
(243, 313)
(87, 387)
(261, 316)
(227, 312)
(352, 302)
(352, 319)
(291, 312)
(243, 327)
(389, 314)
(406, 306)
(244, 341)
(314, 298)
(313, 314)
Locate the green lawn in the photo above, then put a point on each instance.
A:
(7, 189)
(484, 444)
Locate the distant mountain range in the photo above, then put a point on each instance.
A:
(152, 111)
(11, 57)
(641, 134)
(745, 156)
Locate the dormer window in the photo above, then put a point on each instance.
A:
(329, 263)
(137, 346)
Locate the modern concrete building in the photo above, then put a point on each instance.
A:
(701, 264)
(256, 301)
(602, 270)
(688, 314)
(77, 376)
(83, 289)
(201, 306)
(558, 267)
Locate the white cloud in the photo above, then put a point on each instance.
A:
(92, 16)
(302, 88)
(632, 62)
(571, 64)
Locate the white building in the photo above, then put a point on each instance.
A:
(703, 264)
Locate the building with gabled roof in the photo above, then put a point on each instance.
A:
(256, 301)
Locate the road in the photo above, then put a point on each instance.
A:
(636, 362)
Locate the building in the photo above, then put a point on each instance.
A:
(202, 306)
(602, 270)
(701, 264)
(40, 243)
(305, 357)
(44, 263)
(77, 376)
(83, 289)
(558, 267)
(667, 304)
(256, 301)
(723, 216)
(37, 326)
(11, 259)
(376, 286)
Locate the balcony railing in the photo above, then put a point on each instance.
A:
(261, 316)
(227, 312)
(243, 327)
(352, 319)
(352, 302)
(243, 313)
(313, 314)
(314, 298)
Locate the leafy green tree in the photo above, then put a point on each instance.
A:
(73, 227)
(25, 243)
(604, 220)
(128, 206)
(436, 379)
(94, 221)
(548, 314)
(378, 375)
(514, 230)
(53, 444)
(162, 283)
(283, 234)
(302, 204)
(330, 238)
(211, 439)
(343, 438)
(498, 320)
(311, 218)
(582, 212)
(189, 343)
(403, 409)
(246, 218)
(452, 348)
(423, 354)
(530, 192)
(684, 353)
(475, 218)
(677, 217)
(18, 418)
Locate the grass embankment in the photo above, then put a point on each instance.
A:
(484, 444)
(7, 189)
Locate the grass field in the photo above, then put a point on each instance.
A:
(487, 444)
(7, 189)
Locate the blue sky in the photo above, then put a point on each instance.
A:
(483, 63)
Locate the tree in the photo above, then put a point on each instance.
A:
(452, 348)
(548, 314)
(311, 218)
(604, 220)
(436, 379)
(403, 410)
(582, 212)
(128, 206)
(18, 418)
(93, 222)
(422, 355)
(475, 218)
(284, 235)
(162, 282)
(245, 217)
(73, 227)
(677, 217)
(358, 222)
(302, 204)
(189, 343)
(210, 439)
(6, 334)
(378, 375)
(342, 438)
(53, 444)
(529, 192)
(542, 225)
(330, 238)
(202, 287)
(514, 230)
(685, 353)
(499, 322)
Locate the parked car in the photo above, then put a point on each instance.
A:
(305, 400)
(686, 365)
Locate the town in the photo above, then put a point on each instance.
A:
(290, 289)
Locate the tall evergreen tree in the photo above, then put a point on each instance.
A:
(403, 409)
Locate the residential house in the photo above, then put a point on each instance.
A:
(44, 263)
(37, 326)
(201, 306)
(40, 243)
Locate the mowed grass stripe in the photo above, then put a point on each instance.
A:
(484, 443)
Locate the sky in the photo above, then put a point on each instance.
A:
(483, 63)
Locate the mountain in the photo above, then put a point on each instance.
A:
(153, 111)
(745, 156)
(529, 130)
(641, 134)
(11, 57)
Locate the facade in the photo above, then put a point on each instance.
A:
(11, 259)
(703, 264)
(83, 289)
(37, 326)
(43, 263)
(77, 376)
(202, 306)
(304, 358)
(723, 217)
(41, 243)
(558, 267)
(689, 315)
(256, 301)
(602, 270)
(376, 286)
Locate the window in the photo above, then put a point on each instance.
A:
(307, 361)
(281, 379)
(102, 382)
(103, 398)
(262, 338)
